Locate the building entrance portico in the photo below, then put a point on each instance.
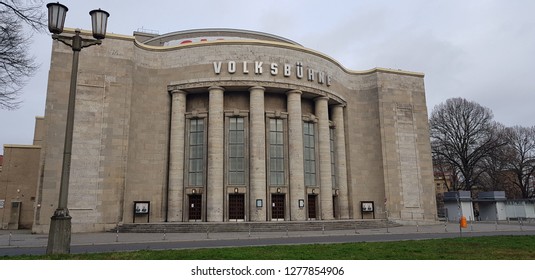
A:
(243, 143)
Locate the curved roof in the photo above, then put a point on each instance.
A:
(153, 43)
(210, 34)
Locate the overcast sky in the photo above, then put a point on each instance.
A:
(483, 51)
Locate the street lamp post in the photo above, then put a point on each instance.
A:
(59, 236)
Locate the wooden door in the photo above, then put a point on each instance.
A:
(277, 206)
(236, 204)
(312, 206)
(195, 207)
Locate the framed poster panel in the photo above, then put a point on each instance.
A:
(367, 207)
(141, 208)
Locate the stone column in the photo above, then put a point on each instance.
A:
(176, 157)
(324, 146)
(257, 167)
(214, 185)
(295, 153)
(340, 157)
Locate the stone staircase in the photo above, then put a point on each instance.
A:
(281, 226)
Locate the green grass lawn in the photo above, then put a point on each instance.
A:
(468, 248)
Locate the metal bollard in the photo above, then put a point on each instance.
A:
(249, 230)
(322, 228)
(117, 234)
(417, 227)
(9, 240)
(207, 233)
(445, 227)
(164, 235)
(356, 232)
(287, 231)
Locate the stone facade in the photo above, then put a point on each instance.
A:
(229, 125)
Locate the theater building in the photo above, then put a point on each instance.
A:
(222, 125)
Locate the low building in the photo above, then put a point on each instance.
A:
(457, 205)
(19, 180)
(491, 205)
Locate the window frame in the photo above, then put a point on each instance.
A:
(332, 150)
(187, 151)
(284, 118)
(306, 174)
(227, 176)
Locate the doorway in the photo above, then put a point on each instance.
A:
(195, 207)
(335, 206)
(312, 206)
(277, 206)
(236, 205)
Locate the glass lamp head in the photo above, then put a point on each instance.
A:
(56, 17)
(99, 20)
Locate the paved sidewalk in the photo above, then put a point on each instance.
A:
(24, 238)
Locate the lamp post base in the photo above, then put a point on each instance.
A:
(59, 236)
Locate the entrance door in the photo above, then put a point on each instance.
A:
(236, 206)
(277, 206)
(15, 215)
(195, 206)
(335, 206)
(312, 206)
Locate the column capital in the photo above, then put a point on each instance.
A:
(294, 91)
(257, 88)
(177, 91)
(321, 98)
(340, 105)
(216, 88)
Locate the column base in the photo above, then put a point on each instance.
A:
(59, 236)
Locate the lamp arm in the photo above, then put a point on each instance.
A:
(90, 42)
(72, 41)
(64, 39)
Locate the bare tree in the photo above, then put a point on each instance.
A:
(16, 64)
(494, 178)
(445, 172)
(463, 134)
(521, 160)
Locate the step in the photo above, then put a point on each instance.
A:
(279, 226)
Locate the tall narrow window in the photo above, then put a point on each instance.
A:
(276, 152)
(236, 151)
(309, 144)
(196, 152)
(333, 162)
